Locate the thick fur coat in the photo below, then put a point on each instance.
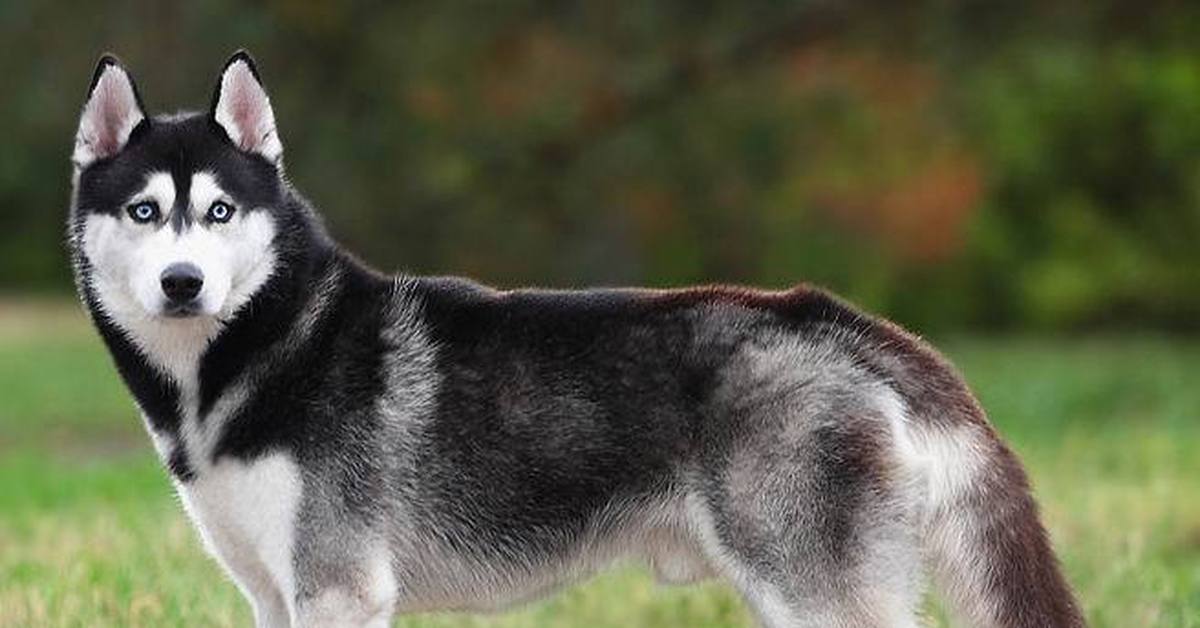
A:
(352, 445)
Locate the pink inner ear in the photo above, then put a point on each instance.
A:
(113, 113)
(246, 106)
(245, 112)
(110, 114)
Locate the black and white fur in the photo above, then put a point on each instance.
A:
(352, 445)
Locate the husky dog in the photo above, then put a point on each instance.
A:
(352, 445)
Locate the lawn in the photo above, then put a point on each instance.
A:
(91, 535)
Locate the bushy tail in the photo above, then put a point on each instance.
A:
(990, 555)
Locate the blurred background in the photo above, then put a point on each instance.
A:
(1020, 181)
(951, 164)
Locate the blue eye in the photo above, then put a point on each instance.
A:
(220, 212)
(143, 212)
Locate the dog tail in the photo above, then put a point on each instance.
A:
(989, 553)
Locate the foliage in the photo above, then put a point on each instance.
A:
(950, 164)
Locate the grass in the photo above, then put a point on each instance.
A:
(91, 535)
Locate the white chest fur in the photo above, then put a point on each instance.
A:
(246, 515)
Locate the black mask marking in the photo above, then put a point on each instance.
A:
(180, 215)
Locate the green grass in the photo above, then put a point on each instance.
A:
(91, 535)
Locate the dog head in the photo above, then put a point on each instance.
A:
(176, 220)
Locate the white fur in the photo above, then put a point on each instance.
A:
(675, 559)
(128, 259)
(204, 191)
(952, 460)
(160, 188)
(246, 516)
(197, 246)
(244, 111)
(369, 607)
(252, 533)
(244, 512)
(768, 604)
(110, 115)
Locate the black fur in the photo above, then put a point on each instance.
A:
(554, 411)
(183, 145)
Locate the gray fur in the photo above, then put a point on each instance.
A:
(352, 445)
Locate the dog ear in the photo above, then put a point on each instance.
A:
(112, 111)
(241, 107)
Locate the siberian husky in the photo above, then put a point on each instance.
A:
(351, 445)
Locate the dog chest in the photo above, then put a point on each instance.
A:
(245, 512)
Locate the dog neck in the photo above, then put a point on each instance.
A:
(179, 369)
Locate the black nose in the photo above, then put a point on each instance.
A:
(181, 282)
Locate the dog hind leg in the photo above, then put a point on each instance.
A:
(808, 597)
(815, 517)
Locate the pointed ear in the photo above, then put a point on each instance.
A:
(241, 107)
(112, 111)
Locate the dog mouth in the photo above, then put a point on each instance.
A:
(181, 310)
